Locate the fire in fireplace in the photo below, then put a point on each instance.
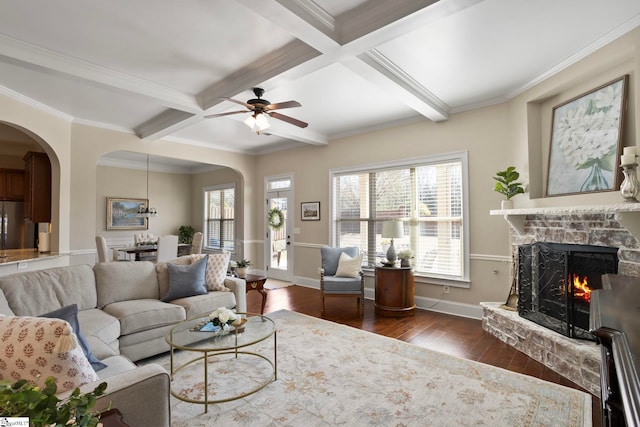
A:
(555, 283)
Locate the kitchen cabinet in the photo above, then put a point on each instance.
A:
(37, 187)
(12, 185)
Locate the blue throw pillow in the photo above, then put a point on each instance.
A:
(70, 314)
(186, 280)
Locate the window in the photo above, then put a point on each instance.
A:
(429, 196)
(219, 217)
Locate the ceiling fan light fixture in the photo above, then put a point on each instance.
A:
(262, 122)
(257, 123)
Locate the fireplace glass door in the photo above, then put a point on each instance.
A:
(555, 282)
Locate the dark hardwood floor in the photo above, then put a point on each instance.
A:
(457, 336)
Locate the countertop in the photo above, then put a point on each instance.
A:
(14, 256)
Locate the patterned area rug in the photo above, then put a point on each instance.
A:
(272, 284)
(330, 374)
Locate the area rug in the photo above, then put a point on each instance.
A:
(331, 374)
(272, 284)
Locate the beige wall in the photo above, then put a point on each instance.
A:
(515, 132)
(169, 193)
(483, 133)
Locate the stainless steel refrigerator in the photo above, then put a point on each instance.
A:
(15, 233)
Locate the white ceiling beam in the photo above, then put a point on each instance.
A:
(32, 56)
(166, 123)
(385, 73)
(258, 71)
(305, 136)
(352, 37)
(263, 69)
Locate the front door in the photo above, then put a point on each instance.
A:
(279, 218)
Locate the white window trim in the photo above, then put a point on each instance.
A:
(216, 187)
(463, 158)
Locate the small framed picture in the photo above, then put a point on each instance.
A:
(310, 211)
(122, 214)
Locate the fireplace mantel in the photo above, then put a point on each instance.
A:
(628, 214)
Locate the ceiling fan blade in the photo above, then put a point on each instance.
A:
(288, 119)
(226, 114)
(279, 105)
(249, 106)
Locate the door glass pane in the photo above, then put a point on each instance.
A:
(279, 237)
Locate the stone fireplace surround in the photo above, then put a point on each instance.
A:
(616, 225)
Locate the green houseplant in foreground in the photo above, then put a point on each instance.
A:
(42, 406)
(507, 184)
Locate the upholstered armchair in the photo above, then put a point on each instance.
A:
(341, 275)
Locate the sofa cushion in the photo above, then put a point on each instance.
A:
(35, 292)
(116, 365)
(70, 314)
(163, 272)
(186, 280)
(200, 304)
(143, 314)
(4, 306)
(101, 330)
(217, 266)
(34, 348)
(125, 281)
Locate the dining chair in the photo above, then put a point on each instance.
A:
(196, 243)
(167, 247)
(103, 249)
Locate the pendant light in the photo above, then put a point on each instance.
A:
(147, 212)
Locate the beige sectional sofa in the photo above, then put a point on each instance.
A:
(123, 319)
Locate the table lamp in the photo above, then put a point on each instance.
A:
(392, 230)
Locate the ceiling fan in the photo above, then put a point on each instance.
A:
(260, 109)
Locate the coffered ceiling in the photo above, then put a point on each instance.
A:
(157, 67)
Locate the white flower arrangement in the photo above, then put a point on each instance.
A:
(223, 317)
(405, 254)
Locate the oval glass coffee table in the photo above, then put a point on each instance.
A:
(209, 346)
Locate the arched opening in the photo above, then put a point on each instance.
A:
(25, 191)
(175, 187)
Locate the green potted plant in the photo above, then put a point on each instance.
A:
(44, 408)
(507, 185)
(185, 234)
(241, 267)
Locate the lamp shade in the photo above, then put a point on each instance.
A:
(392, 229)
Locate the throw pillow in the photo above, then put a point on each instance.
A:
(34, 348)
(348, 266)
(70, 314)
(216, 270)
(186, 280)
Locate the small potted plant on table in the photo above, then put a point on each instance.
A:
(241, 268)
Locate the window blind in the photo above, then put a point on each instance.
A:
(219, 227)
(426, 196)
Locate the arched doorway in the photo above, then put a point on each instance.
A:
(25, 191)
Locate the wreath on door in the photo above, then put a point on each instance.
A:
(275, 218)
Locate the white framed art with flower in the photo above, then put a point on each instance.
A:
(586, 141)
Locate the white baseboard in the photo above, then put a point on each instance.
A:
(472, 311)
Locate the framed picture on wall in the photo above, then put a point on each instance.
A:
(586, 141)
(122, 214)
(310, 211)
